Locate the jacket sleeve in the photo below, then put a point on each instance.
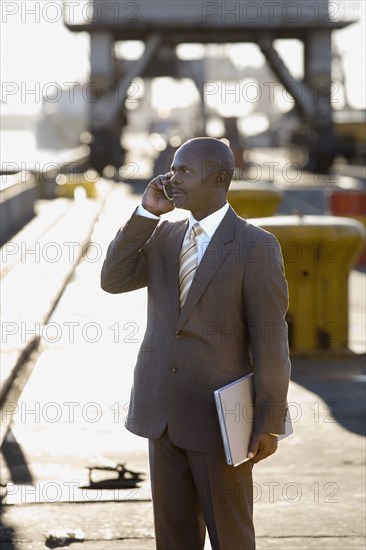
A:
(125, 266)
(266, 303)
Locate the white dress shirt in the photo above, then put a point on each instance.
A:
(208, 224)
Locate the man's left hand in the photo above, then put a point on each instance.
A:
(262, 445)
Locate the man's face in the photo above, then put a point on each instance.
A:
(193, 181)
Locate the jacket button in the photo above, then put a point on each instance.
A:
(173, 369)
(178, 335)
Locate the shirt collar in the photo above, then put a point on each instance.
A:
(211, 222)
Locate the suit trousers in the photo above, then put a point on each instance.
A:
(192, 491)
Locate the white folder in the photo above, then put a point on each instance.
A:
(235, 409)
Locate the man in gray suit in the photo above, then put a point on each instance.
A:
(217, 299)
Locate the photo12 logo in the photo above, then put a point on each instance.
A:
(73, 12)
(264, 12)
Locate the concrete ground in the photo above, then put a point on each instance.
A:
(309, 495)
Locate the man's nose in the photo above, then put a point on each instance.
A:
(174, 179)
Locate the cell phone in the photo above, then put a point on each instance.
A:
(167, 190)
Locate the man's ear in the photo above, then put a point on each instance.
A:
(220, 178)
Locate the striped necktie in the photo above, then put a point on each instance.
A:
(188, 262)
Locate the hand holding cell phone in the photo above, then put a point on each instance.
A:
(158, 196)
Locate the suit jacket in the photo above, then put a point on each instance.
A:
(232, 323)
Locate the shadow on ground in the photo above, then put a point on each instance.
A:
(340, 382)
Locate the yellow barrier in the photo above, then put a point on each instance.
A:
(318, 252)
(67, 184)
(251, 200)
(350, 203)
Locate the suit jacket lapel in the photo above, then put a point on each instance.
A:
(211, 261)
(174, 245)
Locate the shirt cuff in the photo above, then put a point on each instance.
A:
(274, 435)
(141, 211)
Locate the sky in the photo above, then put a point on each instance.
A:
(37, 49)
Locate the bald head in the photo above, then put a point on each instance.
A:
(215, 154)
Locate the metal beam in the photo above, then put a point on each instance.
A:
(111, 102)
(297, 89)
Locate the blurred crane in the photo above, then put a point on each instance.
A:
(163, 24)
